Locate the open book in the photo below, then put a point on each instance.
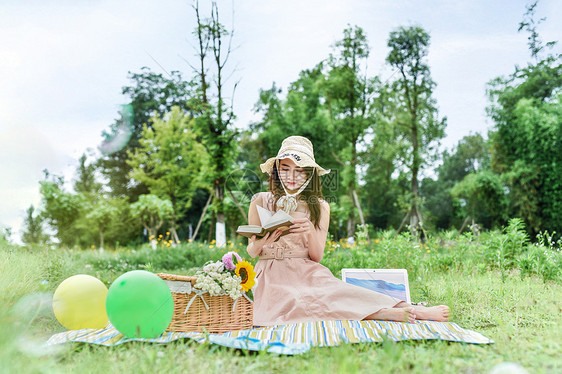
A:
(269, 223)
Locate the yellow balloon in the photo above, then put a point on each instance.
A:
(79, 303)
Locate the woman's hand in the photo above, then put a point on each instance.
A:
(316, 237)
(302, 225)
(256, 246)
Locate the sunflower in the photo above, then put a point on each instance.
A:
(246, 272)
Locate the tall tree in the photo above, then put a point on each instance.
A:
(61, 209)
(417, 116)
(33, 228)
(85, 181)
(100, 215)
(526, 109)
(170, 161)
(152, 213)
(215, 115)
(348, 93)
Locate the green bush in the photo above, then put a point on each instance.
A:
(505, 251)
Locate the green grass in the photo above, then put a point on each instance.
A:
(519, 308)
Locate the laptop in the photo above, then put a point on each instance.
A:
(391, 282)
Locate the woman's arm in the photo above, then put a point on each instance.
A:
(255, 246)
(316, 235)
(317, 238)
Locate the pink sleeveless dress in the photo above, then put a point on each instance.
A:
(297, 289)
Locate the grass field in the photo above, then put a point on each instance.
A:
(503, 291)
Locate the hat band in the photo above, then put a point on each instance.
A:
(297, 148)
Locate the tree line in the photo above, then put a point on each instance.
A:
(174, 165)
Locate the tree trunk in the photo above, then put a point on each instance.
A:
(404, 221)
(220, 231)
(351, 226)
(465, 222)
(212, 226)
(238, 205)
(351, 215)
(152, 236)
(175, 238)
(416, 224)
(101, 240)
(201, 218)
(358, 205)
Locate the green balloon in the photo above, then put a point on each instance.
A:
(139, 304)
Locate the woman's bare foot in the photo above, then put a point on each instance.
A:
(439, 313)
(395, 314)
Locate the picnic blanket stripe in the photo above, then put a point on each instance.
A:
(294, 338)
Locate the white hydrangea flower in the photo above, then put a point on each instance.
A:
(216, 280)
(214, 267)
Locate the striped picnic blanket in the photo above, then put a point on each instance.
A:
(294, 338)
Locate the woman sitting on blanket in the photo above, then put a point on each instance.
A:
(292, 285)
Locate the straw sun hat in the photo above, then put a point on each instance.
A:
(297, 148)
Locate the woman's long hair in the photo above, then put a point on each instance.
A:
(311, 194)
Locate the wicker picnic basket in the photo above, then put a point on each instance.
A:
(216, 314)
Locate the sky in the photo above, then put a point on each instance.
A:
(63, 64)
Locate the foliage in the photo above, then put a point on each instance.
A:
(348, 94)
(152, 212)
(385, 182)
(494, 251)
(300, 112)
(33, 229)
(470, 155)
(149, 93)
(527, 111)
(416, 116)
(61, 209)
(5, 234)
(215, 117)
(170, 161)
(529, 24)
(102, 215)
(86, 181)
(482, 196)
